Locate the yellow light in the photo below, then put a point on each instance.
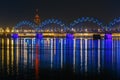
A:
(8, 55)
(47, 30)
(1, 30)
(7, 30)
(12, 29)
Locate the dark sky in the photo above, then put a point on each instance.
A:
(13, 11)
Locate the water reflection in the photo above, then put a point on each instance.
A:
(79, 55)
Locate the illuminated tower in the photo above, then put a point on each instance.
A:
(37, 18)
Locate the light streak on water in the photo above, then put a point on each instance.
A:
(25, 52)
(61, 53)
(54, 45)
(112, 53)
(86, 55)
(98, 55)
(74, 48)
(8, 58)
(51, 53)
(17, 54)
(76, 53)
(81, 53)
(32, 51)
(12, 55)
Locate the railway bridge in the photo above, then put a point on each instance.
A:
(81, 27)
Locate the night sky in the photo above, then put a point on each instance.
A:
(13, 11)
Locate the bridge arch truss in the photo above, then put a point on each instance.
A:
(52, 25)
(25, 26)
(87, 24)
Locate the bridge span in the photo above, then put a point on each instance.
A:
(58, 34)
(81, 27)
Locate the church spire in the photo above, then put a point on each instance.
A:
(37, 18)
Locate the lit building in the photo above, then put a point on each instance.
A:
(37, 18)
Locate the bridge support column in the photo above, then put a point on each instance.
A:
(14, 36)
(70, 36)
(108, 36)
(39, 36)
(96, 36)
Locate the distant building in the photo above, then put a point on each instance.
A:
(37, 18)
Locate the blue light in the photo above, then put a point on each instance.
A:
(108, 36)
(39, 36)
(70, 36)
(86, 19)
(27, 23)
(14, 36)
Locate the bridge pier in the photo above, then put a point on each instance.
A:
(96, 36)
(108, 36)
(39, 36)
(14, 36)
(69, 35)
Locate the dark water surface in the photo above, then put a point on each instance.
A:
(59, 58)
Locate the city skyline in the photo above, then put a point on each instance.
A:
(14, 11)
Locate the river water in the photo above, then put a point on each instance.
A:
(59, 58)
